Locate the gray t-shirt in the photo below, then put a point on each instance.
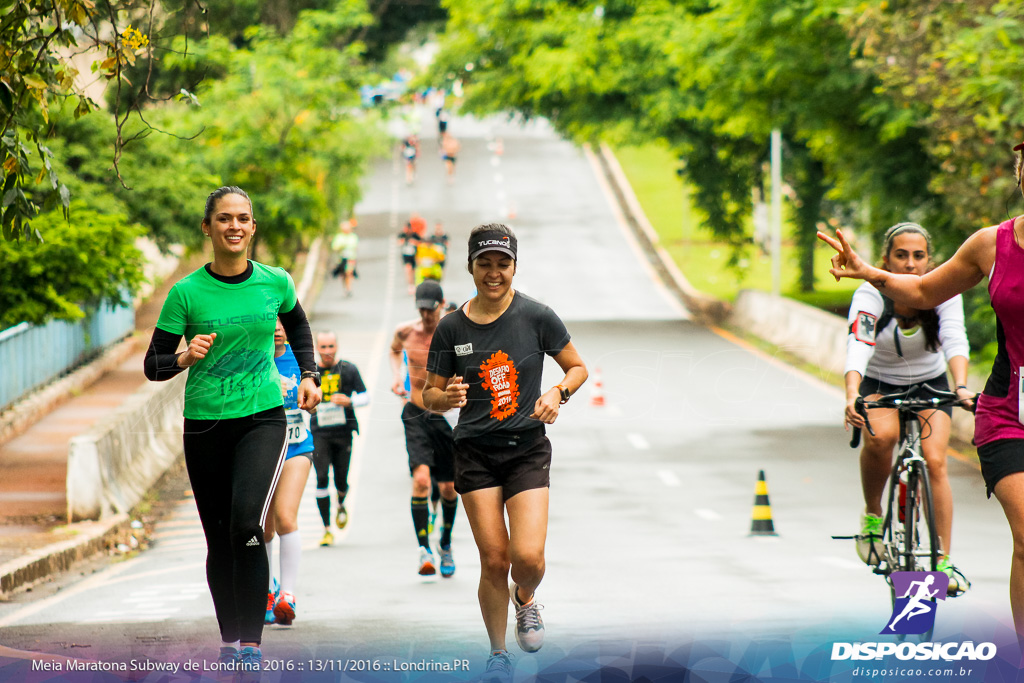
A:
(502, 362)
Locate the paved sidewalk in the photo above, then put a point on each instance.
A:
(33, 494)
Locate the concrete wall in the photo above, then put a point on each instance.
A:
(111, 466)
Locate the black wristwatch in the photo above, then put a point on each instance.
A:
(315, 376)
(564, 392)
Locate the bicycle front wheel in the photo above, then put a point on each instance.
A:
(921, 551)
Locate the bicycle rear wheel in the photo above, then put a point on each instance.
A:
(921, 551)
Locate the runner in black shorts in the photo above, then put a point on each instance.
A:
(428, 437)
(333, 426)
(234, 432)
(487, 359)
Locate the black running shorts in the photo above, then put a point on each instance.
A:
(870, 385)
(428, 439)
(518, 468)
(998, 459)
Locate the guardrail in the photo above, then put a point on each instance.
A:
(33, 355)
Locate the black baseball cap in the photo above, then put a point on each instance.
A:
(492, 240)
(429, 294)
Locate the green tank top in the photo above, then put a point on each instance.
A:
(238, 377)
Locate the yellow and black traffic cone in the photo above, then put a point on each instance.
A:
(761, 524)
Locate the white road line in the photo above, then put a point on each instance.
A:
(707, 514)
(668, 478)
(638, 441)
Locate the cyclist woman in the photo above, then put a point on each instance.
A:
(892, 347)
(234, 432)
(994, 252)
(486, 359)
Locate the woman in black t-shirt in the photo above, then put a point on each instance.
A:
(486, 359)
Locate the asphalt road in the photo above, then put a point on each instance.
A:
(650, 564)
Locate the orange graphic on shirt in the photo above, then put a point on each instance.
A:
(501, 379)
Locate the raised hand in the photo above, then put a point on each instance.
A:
(845, 263)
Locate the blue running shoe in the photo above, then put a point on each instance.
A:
(499, 668)
(228, 658)
(271, 602)
(250, 664)
(447, 561)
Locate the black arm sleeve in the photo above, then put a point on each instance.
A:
(161, 361)
(296, 326)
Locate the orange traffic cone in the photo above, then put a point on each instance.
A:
(761, 524)
(511, 210)
(499, 147)
(597, 397)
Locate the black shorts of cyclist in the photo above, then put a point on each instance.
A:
(409, 259)
(870, 385)
(428, 439)
(998, 459)
(516, 466)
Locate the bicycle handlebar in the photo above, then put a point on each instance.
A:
(903, 404)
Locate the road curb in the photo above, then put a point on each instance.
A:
(88, 539)
(707, 309)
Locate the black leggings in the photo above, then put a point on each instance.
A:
(233, 466)
(333, 449)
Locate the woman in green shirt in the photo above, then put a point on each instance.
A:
(234, 432)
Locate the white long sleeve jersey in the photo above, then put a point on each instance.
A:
(872, 352)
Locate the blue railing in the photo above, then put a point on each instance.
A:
(33, 355)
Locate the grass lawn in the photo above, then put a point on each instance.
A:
(651, 171)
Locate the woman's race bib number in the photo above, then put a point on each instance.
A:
(330, 414)
(296, 426)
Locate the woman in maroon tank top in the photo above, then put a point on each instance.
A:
(995, 252)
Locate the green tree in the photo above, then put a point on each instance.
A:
(713, 79)
(38, 39)
(82, 263)
(285, 124)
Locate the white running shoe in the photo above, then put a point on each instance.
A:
(529, 625)
(428, 567)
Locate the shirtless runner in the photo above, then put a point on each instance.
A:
(428, 436)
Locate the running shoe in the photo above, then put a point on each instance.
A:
(328, 538)
(427, 565)
(958, 583)
(869, 541)
(228, 657)
(284, 610)
(341, 519)
(447, 561)
(529, 625)
(499, 668)
(271, 601)
(250, 664)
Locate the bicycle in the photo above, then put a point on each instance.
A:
(909, 540)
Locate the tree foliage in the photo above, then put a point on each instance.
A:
(40, 41)
(889, 111)
(84, 262)
(302, 143)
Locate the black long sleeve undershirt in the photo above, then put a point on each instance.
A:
(161, 362)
